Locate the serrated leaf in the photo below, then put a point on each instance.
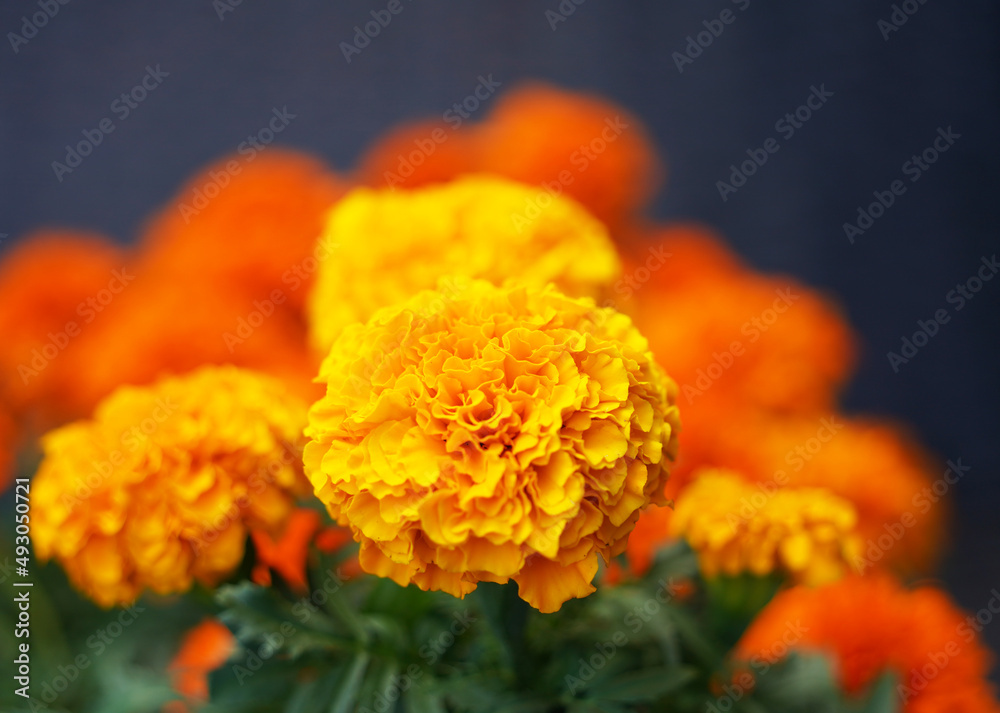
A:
(258, 613)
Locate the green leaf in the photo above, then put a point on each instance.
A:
(641, 686)
(348, 695)
(422, 700)
(883, 698)
(257, 613)
(314, 696)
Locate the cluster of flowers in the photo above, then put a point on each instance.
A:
(499, 354)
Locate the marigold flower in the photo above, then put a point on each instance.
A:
(718, 327)
(393, 244)
(139, 337)
(491, 433)
(247, 226)
(589, 148)
(160, 488)
(872, 625)
(538, 134)
(46, 281)
(418, 153)
(736, 527)
(204, 648)
(8, 448)
(877, 467)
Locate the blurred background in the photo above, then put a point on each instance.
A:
(889, 86)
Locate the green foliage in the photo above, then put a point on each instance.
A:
(365, 644)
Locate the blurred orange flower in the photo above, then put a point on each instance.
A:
(871, 625)
(163, 326)
(589, 148)
(204, 648)
(247, 225)
(875, 466)
(53, 284)
(721, 328)
(8, 449)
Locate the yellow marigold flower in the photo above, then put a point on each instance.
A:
(486, 433)
(160, 488)
(737, 527)
(392, 244)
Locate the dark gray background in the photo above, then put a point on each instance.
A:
(890, 97)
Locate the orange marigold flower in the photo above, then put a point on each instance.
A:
(491, 433)
(393, 244)
(720, 328)
(52, 285)
(8, 448)
(537, 134)
(248, 226)
(418, 153)
(540, 134)
(735, 527)
(160, 488)
(140, 337)
(872, 625)
(204, 648)
(878, 468)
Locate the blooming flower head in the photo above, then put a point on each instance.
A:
(139, 337)
(736, 527)
(485, 433)
(589, 148)
(720, 328)
(872, 625)
(52, 285)
(159, 489)
(392, 244)
(247, 225)
(875, 466)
